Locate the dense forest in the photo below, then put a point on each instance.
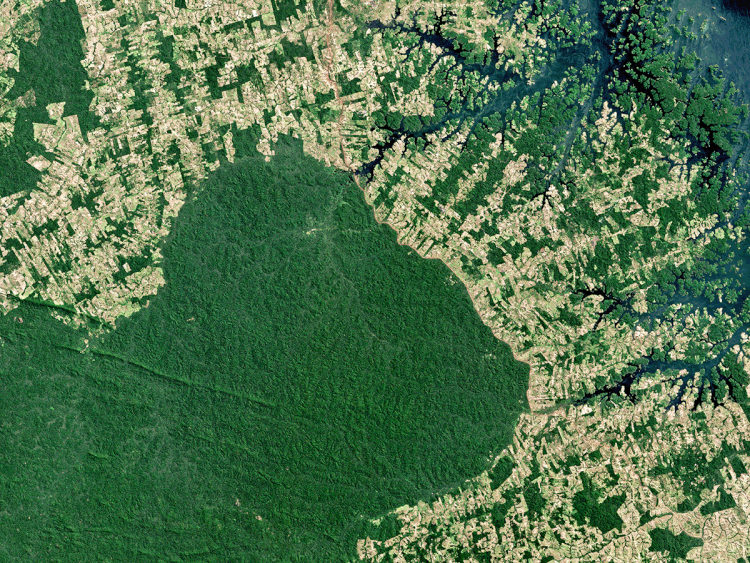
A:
(299, 374)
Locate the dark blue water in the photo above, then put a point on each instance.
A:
(726, 40)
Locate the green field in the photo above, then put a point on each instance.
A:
(299, 373)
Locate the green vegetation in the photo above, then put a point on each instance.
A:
(52, 69)
(532, 493)
(588, 509)
(697, 472)
(724, 501)
(501, 471)
(677, 546)
(299, 374)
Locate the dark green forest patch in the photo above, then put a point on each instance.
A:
(676, 546)
(53, 69)
(588, 509)
(299, 374)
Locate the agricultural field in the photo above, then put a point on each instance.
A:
(375, 281)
